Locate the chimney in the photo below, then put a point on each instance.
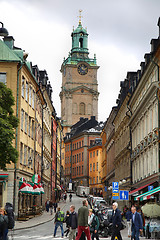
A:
(9, 41)
(147, 58)
(154, 44)
(142, 67)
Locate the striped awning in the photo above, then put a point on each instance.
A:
(3, 175)
(147, 195)
(135, 191)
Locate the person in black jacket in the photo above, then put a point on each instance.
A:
(116, 221)
(3, 225)
(67, 221)
(73, 223)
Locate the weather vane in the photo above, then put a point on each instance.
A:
(80, 16)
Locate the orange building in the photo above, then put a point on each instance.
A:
(95, 167)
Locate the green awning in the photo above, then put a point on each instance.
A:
(147, 195)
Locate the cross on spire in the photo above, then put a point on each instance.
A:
(80, 17)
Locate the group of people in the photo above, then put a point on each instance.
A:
(50, 206)
(78, 221)
(87, 223)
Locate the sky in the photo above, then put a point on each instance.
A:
(120, 32)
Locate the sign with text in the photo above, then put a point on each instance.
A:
(115, 187)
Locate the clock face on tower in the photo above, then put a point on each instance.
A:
(82, 69)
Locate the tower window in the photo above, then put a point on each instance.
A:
(82, 109)
(81, 42)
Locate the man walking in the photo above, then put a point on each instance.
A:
(73, 223)
(83, 221)
(137, 225)
(59, 218)
(116, 220)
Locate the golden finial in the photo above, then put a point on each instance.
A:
(73, 28)
(80, 17)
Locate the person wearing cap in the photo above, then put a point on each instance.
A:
(116, 221)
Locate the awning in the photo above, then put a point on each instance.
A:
(25, 188)
(36, 190)
(135, 191)
(147, 195)
(3, 175)
(41, 189)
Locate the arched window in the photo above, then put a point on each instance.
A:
(82, 109)
(81, 42)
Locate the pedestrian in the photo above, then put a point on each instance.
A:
(55, 205)
(116, 221)
(66, 220)
(65, 197)
(83, 221)
(137, 226)
(94, 224)
(59, 218)
(73, 222)
(129, 220)
(3, 225)
(70, 197)
(47, 205)
(143, 221)
(51, 207)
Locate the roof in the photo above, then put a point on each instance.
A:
(6, 54)
(80, 29)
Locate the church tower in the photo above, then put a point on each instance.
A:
(79, 91)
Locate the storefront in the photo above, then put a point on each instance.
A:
(29, 196)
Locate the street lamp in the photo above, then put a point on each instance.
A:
(3, 31)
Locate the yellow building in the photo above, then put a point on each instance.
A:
(17, 74)
(95, 167)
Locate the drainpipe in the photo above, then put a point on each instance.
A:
(15, 165)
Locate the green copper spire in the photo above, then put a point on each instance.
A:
(79, 40)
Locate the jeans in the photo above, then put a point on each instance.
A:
(58, 224)
(95, 235)
(116, 232)
(4, 234)
(135, 233)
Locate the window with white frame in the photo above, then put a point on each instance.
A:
(23, 87)
(30, 96)
(22, 118)
(3, 77)
(26, 122)
(21, 153)
(25, 154)
(27, 91)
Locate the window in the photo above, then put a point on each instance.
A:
(21, 153)
(82, 156)
(22, 118)
(90, 167)
(73, 159)
(25, 154)
(93, 166)
(82, 169)
(77, 158)
(68, 148)
(82, 109)
(29, 127)
(97, 166)
(91, 181)
(3, 77)
(73, 146)
(97, 152)
(90, 154)
(32, 129)
(94, 154)
(32, 156)
(27, 91)
(33, 99)
(82, 143)
(26, 122)
(30, 95)
(79, 170)
(94, 180)
(29, 156)
(97, 179)
(23, 87)
(77, 145)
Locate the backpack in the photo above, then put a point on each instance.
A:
(10, 214)
(60, 216)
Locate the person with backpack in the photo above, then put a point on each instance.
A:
(59, 219)
(94, 224)
(10, 215)
(3, 225)
(66, 220)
